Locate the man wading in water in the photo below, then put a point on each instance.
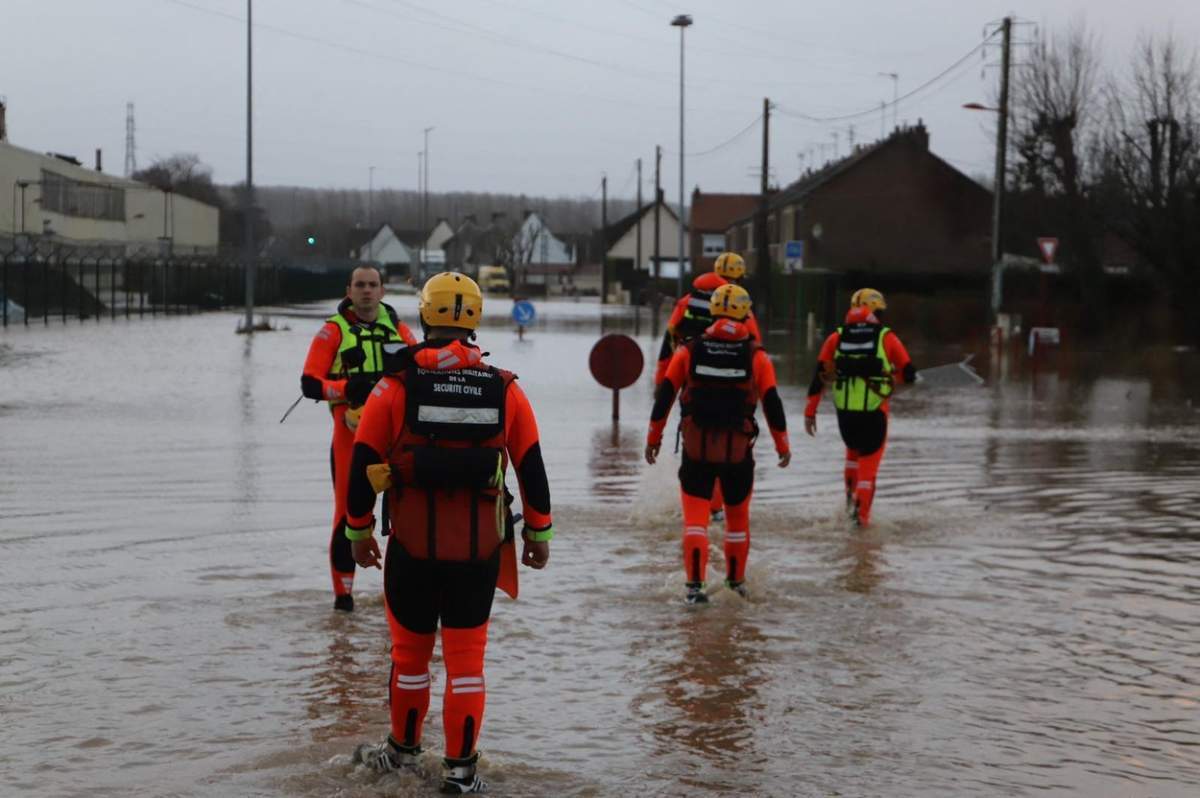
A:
(439, 437)
(356, 334)
(723, 374)
(863, 360)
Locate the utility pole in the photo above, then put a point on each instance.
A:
(248, 206)
(603, 239)
(658, 196)
(638, 256)
(1001, 165)
(421, 213)
(425, 203)
(763, 260)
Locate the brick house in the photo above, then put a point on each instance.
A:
(891, 215)
(710, 216)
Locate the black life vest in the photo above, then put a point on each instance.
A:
(452, 450)
(718, 400)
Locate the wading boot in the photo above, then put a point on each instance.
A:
(460, 777)
(344, 602)
(739, 588)
(387, 756)
(695, 593)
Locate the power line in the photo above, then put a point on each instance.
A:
(459, 26)
(896, 102)
(723, 144)
(397, 59)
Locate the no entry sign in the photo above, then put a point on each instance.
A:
(616, 362)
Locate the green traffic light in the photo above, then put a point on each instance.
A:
(312, 240)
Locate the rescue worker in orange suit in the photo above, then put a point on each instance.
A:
(722, 375)
(447, 427)
(864, 361)
(344, 361)
(690, 318)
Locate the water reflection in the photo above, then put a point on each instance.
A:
(864, 554)
(246, 450)
(709, 681)
(614, 459)
(347, 685)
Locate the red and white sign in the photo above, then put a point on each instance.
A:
(1048, 246)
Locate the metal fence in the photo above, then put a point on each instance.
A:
(46, 280)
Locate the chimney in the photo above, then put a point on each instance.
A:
(920, 134)
(3, 126)
(99, 161)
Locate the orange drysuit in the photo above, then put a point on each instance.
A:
(434, 423)
(863, 432)
(726, 454)
(319, 382)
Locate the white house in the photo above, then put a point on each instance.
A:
(534, 243)
(621, 240)
(386, 249)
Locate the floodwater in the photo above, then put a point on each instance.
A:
(1021, 620)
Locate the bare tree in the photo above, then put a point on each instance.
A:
(1055, 104)
(185, 174)
(1151, 160)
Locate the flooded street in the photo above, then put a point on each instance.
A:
(1020, 620)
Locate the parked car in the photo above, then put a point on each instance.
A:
(494, 280)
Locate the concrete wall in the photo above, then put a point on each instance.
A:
(192, 225)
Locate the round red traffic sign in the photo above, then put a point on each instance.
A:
(616, 361)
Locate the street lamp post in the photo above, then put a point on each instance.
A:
(371, 214)
(248, 205)
(682, 21)
(425, 199)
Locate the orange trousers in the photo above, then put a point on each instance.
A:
(865, 436)
(420, 595)
(699, 485)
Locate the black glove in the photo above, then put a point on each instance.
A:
(358, 388)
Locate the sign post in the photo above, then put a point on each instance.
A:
(793, 256)
(616, 362)
(523, 314)
(1048, 247)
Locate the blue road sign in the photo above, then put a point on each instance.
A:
(523, 313)
(793, 256)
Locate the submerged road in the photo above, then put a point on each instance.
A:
(1020, 620)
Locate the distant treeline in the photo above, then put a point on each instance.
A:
(338, 219)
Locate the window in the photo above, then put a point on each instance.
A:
(714, 244)
(69, 197)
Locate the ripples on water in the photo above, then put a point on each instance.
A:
(1020, 620)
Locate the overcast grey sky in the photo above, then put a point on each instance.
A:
(534, 96)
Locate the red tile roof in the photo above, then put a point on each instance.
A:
(714, 213)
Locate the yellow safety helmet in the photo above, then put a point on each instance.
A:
(730, 265)
(868, 298)
(451, 299)
(730, 302)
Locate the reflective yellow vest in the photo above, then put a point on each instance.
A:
(370, 338)
(863, 370)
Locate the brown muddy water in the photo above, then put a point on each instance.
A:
(1021, 620)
